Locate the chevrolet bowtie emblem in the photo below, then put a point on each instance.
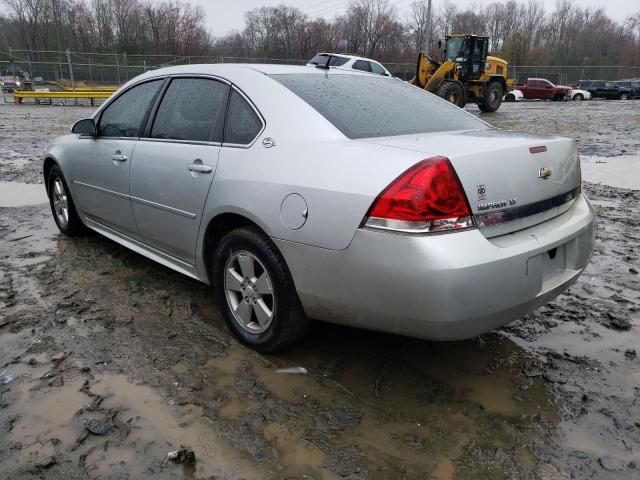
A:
(544, 173)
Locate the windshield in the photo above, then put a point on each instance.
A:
(364, 106)
(455, 48)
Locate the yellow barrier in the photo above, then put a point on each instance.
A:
(18, 95)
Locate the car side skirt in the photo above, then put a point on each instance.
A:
(143, 249)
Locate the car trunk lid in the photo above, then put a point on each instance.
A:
(513, 180)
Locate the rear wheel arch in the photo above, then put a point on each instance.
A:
(47, 165)
(217, 228)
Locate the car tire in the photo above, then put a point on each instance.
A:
(452, 92)
(255, 291)
(492, 99)
(510, 97)
(578, 97)
(62, 206)
(624, 96)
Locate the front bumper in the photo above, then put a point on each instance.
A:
(442, 287)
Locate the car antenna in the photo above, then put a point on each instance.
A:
(326, 65)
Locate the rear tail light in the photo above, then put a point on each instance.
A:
(427, 198)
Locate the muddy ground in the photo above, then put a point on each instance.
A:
(118, 361)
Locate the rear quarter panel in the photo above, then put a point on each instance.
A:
(339, 181)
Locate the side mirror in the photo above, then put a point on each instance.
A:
(86, 126)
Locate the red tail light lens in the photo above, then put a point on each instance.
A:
(428, 197)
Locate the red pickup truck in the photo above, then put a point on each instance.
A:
(543, 89)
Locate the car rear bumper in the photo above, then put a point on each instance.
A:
(442, 287)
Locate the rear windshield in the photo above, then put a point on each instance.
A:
(364, 106)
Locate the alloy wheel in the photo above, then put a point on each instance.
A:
(249, 292)
(60, 202)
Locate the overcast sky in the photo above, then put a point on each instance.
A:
(224, 16)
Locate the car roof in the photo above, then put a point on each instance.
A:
(239, 73)
(230, 70)
(348, 55)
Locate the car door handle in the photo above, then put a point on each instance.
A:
(118, 157)
(199, 168)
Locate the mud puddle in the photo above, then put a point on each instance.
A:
(15, 194)
(622, 171)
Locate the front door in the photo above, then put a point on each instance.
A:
(101, 171)
(173, 168)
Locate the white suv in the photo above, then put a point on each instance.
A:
(348, 62)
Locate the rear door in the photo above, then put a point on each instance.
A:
(532, 89)
(612, 90)
(599, 89)
(175, 163)
(101, 172)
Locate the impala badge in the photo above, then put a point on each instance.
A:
(544, 173)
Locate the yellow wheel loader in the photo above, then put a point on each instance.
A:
(466, 74)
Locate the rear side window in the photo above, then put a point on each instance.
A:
(243, 123)
(123, 117)
(362, 65)
(363, 106)
(191, 109)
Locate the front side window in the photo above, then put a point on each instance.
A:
(123, 117)
(365, 106)
(609, 85)
(362, 65)
(191, 109)
(338, 61)
(243, 124)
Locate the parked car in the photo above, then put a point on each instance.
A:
(605, 89)
(631, 85)
(348, 62)
(577, 94)
(542, 89)
(514, 95)
(305, 193)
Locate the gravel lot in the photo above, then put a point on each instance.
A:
(118, 361)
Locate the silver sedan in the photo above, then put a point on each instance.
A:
(304, 193)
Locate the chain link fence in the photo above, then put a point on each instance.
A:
(74, 69)
(67, 69)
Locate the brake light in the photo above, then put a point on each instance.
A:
(427, 198)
